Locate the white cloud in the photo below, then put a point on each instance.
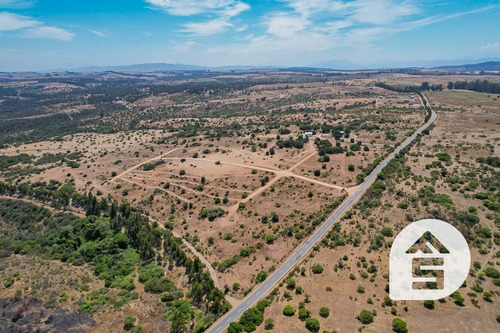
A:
(12, 22)
(236, 9)
(223, 9)
(309, 7)
(323, 28)
(286, 25)
(194, 7)
(381, 12)
(100, 33)
(32, 28)
(242, 28)
(45, 32)
(489, 46)
(207, 28)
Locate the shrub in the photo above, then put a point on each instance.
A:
(459, 300)
(251, 318)
(261, 277)
(429, 304)
(387, 232)
(445, 157)
(304, 314)
(288, 310)
(211, 213)
(270, 239)
(399, 326)
(312, 324)
(317, 269)
(324, 312)
(158, 286)
(487, 296)
(492, 272)
(234, 328)
(365, 317)
(128, 323)
(269, 324)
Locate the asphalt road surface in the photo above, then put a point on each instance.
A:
(302, 251)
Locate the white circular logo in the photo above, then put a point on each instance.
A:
(429, 259)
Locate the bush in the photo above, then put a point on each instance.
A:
(324, 312)
(387, 232)
(317, 269)
(365, 317)
(288, 310)
(234, 328)
(445, 157)
(158, 286)
(312, 324)
(128, 323)
(269, 324)
(492, 272)
(290, 283)
(459, 300)
(251, 319)
(260, 277)
(270, 239)
(399, 326)
(304, 314)
(429, 304)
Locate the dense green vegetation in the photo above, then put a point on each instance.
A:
(114, 239)
(476, 85)
(410, 89)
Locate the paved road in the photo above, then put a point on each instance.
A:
(302, 251)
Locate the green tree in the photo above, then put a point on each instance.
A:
(366, 317)
(304, 314)
(324, 312)
(234, 328)
(399, 326)
(458, 298)
(288, 310)
(429, 304)
(317, 269)
(312, 324)
(260, 277)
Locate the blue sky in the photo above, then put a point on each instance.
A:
(52, 34)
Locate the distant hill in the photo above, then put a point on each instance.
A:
(484, 66)
(142, 68)
(163, 67)
(492, 64)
